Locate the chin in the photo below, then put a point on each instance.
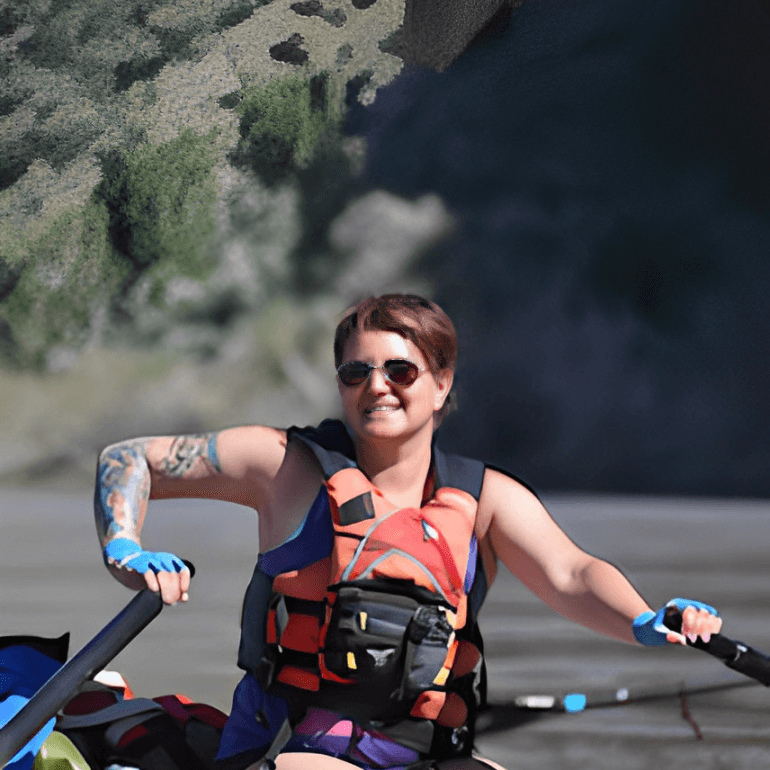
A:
(386, 429)
(380, 429)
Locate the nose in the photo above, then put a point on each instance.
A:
(376, 383)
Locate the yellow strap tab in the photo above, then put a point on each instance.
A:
(441, 677)
(352, 661)
(362, 616)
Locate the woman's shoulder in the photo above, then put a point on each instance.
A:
(502, 492)
(502, 480)
(251, 448)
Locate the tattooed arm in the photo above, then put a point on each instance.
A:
(122, 491)
(238, 465)
(124, 481)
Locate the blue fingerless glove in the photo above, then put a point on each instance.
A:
(127, 554)
(649, 629)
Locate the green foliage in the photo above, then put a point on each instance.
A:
(283, 123)
(137, 68)
(68, 270)
(107, 45)
(57, 124)
(155, 206)
(8, 20)
(85, 40)
(160, 200)
(236, 12)
(71, 86)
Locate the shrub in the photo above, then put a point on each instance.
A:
(67, 271)
(283, 122)
(161, 202)
(57, 124)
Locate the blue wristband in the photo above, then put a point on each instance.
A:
(126, 554)
(649, 629)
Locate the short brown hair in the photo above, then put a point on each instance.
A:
(415, 318)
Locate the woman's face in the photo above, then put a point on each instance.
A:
(378, 409)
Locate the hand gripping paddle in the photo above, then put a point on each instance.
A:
(735, 655)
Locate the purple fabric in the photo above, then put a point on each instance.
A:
(321, 732)
(326, 732)
(470, 573)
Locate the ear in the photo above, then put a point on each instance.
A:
(444, 381)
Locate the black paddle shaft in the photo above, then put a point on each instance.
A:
(63, 685)
(735, 655)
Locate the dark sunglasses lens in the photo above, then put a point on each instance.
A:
(353, 373)
(401, 372)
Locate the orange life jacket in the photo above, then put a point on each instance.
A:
(382, 629)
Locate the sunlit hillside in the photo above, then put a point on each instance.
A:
(179, 227)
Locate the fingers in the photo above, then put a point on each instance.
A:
(151, 581)
(674, 638)
(184, 584)
(696, 623)
(173, 586)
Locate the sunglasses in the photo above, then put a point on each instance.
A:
(397, 371)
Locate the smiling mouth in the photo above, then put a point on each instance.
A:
(381, 408)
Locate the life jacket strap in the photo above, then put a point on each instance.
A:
(282, 737)
(251, 649)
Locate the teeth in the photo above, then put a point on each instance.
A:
(381, 409)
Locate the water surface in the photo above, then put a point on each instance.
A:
(52, 580)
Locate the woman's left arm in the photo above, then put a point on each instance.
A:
(579, 586)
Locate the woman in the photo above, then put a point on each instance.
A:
(367, 663)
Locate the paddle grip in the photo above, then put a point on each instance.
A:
(736, 655)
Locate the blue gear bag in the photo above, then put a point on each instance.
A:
(24, 670)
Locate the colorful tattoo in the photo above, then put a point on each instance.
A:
(122, 490)
(191, 455)
(123, 479)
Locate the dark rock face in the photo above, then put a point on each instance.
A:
(608, 274)
(290, 50)
(435, 34)
(308, 8)
(725, 51)
(336, 18)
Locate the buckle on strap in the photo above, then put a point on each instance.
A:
(264, 671)
(281, 616)
(412, 733)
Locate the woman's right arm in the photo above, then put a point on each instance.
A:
(239, 465)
